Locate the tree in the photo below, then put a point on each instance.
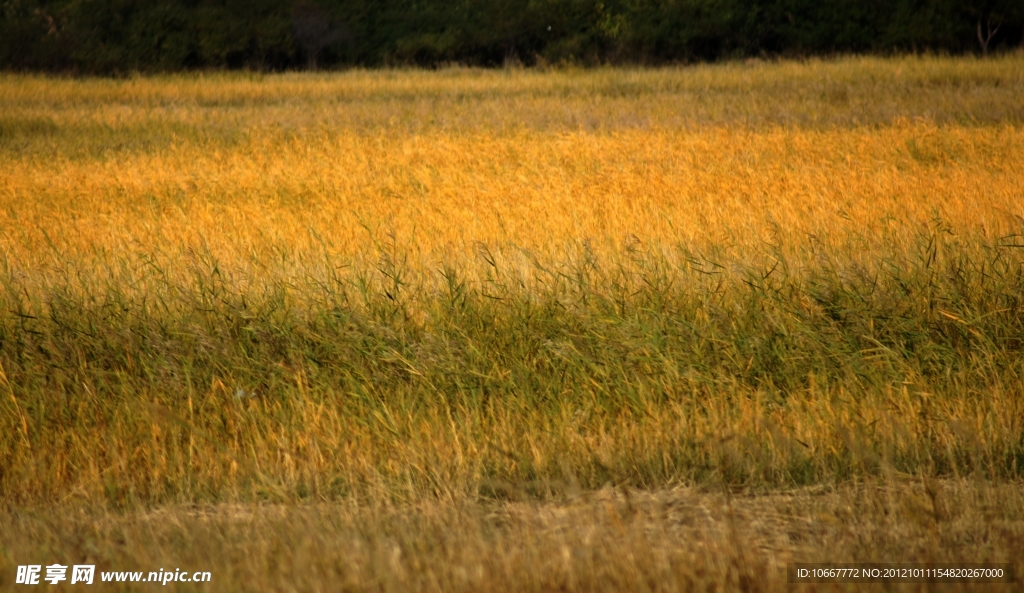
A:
(990, 32)
(314, 30)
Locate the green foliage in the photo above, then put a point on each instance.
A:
(687, 371)
(107, 36)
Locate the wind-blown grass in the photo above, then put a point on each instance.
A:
(442, 296)
(643, 371)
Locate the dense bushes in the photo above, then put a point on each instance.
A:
(107, 36)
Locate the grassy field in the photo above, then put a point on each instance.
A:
(514, 330)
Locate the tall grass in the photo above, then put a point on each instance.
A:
(649, 371)
(447, 295)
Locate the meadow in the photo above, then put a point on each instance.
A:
(578, 330)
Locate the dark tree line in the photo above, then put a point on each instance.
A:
(116, 36)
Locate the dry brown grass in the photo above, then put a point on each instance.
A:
(605, 540)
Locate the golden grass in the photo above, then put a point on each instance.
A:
(275, 169)
(275, 206)
(501, 299)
